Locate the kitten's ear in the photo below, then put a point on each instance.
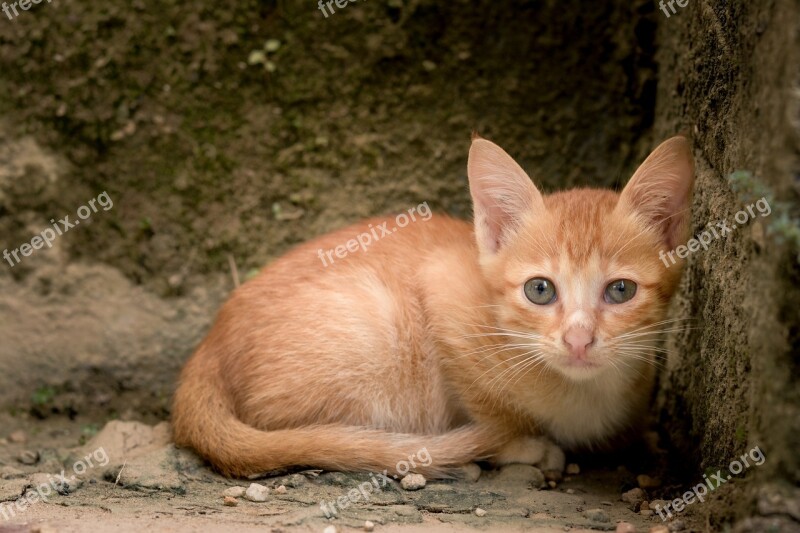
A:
(661, 190)
(502, 194)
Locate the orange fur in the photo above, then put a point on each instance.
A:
(426, 339)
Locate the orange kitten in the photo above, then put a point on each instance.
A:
(532, 330)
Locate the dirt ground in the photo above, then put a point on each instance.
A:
(225, 134)
(140, 480)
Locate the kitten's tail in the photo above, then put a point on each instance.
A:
(203, 418)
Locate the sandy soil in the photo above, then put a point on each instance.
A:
(129, 478)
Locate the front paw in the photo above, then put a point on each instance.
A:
(538, 451)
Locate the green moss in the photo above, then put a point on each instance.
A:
(741, 435)
(783, 226)
(43, 395)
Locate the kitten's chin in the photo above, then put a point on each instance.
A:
(579, 369)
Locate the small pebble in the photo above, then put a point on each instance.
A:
(596, 515)
(234, 492)
(570, 491)
(573, 469)
(413, 482)
(480, 512)
(280, 489)
(256, 493)
(659, 529)
(655, 505)
(18, 437)
(625, 527)
(606, 503)
(369, 526)
(647, 482)
(647, 512)
(677, 525)
(552, 484)
(28, 457)
(633, 496)
(330, 529)
(230, 501)
(645, 506)
(272, 45)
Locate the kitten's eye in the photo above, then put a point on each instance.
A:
(620, 291)
(540, 291)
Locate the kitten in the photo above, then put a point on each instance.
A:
(532, 330)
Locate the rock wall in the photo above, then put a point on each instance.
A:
(728, 75)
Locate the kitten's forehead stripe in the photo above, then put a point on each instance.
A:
(584, 216)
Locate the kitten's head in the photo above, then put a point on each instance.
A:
(579, 274)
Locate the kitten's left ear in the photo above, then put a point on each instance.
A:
(502, 195)
(661, 190)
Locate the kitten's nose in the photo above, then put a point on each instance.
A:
(578, 339)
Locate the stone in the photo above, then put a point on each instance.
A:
(28, 457)
(596, 515)
(230, 501)
(256, 493)
(18, 437)
(634, 496)
(480, 512)
(625, 527)
(573, 469)
(234, 492)
(413, 482)
(369, 526)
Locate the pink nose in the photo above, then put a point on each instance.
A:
(578, 339)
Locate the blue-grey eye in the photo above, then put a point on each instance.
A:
(620, 291)
(540, 291)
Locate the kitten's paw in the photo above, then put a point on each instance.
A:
(537, 451)
(554, 458)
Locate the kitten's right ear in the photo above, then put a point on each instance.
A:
(502, 194)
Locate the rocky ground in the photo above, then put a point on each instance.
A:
(129, 477)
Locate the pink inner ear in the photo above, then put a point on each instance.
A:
(661, 188)
(502, 194)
